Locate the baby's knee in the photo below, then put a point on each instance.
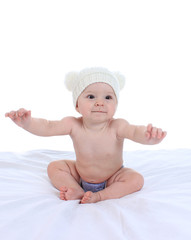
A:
(54, 166)
(58, 166)
(51, 168)
(138, 181)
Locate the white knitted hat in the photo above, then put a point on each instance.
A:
(78, 81)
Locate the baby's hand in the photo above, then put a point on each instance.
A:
(154, 135)
(21, 117)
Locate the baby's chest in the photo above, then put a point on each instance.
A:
(97, 144)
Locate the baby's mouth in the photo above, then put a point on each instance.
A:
(99, 111)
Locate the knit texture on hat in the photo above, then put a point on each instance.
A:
(78, 81)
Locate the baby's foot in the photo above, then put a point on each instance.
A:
(90, 197)
(70, 193)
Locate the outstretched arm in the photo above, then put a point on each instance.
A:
(142, 134)
(39, 126)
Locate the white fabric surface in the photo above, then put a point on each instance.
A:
(30, 207)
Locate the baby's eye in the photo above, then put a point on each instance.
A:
(90, 96)
(108, 97)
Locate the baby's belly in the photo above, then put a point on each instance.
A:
(95, 173)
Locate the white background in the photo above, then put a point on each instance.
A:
(147, 41)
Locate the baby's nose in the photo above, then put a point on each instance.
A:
(99, 103)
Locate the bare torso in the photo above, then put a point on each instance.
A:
(98, 153)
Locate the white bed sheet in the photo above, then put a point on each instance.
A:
(30, 207)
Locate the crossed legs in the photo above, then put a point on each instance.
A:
(64, 176)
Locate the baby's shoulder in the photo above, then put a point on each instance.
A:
(75, 121)
(118, 122)
(71, 121)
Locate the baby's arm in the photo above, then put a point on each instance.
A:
(149, 134)
(141, 134)
(39, 126)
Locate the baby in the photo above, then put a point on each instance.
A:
(98, 173)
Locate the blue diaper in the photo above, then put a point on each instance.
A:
(93, 187)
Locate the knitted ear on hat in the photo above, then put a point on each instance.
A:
(70, 80)
(120, 78)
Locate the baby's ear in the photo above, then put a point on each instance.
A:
(120, 78)
(70, 80)
(77, 108)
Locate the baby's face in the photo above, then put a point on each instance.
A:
(97, 102)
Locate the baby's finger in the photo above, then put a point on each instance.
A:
(149, 127)
(148, 135)
(164, 134)
(12, 114)
(22, 112)
(154, 132)
(7, 114)
(159, 133)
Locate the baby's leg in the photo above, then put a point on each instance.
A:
(123, 182)
(64, 177)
